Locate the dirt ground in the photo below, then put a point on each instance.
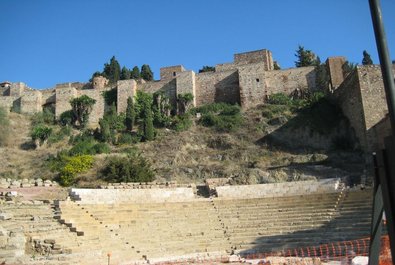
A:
(39, 193)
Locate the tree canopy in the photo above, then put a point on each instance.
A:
(207, 68)
(112, 71)
(125, 73)
(135, 73)
(305, 57)
(82, 107)
(146, 73)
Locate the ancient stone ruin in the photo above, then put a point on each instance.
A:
(249, 80)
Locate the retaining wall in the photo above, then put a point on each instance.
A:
(278, 189)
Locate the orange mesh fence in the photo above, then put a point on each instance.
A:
(343, 251)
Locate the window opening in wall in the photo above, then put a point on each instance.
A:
(257, 80)
(174, 73)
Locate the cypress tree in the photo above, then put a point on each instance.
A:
(105, 132)
(112, 70)
(305, 57)
(147, 116)
(135, 73)
(148, 125)
(125, 73)
(130, 115)
(146, 73)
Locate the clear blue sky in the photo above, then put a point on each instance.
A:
(45, 42)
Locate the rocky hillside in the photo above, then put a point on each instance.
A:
(274, 143)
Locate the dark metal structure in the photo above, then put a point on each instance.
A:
(384, 160)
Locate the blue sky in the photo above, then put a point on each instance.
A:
(45, 42)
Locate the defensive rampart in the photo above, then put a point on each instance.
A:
(362, 99)
(249, 80)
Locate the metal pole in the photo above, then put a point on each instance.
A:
(387, 177)
(386, 66)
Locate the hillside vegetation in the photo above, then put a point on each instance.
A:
(283, 140)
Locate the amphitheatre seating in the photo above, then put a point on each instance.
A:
(151, 229)
(37, 224)
(274, 224)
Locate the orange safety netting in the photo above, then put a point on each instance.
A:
(343, 251)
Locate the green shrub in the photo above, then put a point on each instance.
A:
(66, 118)
(181, 122)
(322, 117)
(133, 168)
(40, 133)
(270, 111)
(85, 144)
(128, 138)
(279, 99)
(212, 108)
(110, 96)
(101, 148)
(4, 127)
(223, 117)
(86, 135)
(83, 148)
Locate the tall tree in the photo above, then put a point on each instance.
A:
(105, 132)
(125, 73)
(305, 57)
(130, 115)
(144, 102)
(112, 70)
(148, 124)
(135, 73)
(82, 107)
(146, 73)
(366, 60)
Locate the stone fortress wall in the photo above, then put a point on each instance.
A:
(246, 81)
(361, 96)
(249, 80)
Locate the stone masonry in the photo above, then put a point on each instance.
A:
(249, 80)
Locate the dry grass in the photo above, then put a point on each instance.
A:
(189, 156)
